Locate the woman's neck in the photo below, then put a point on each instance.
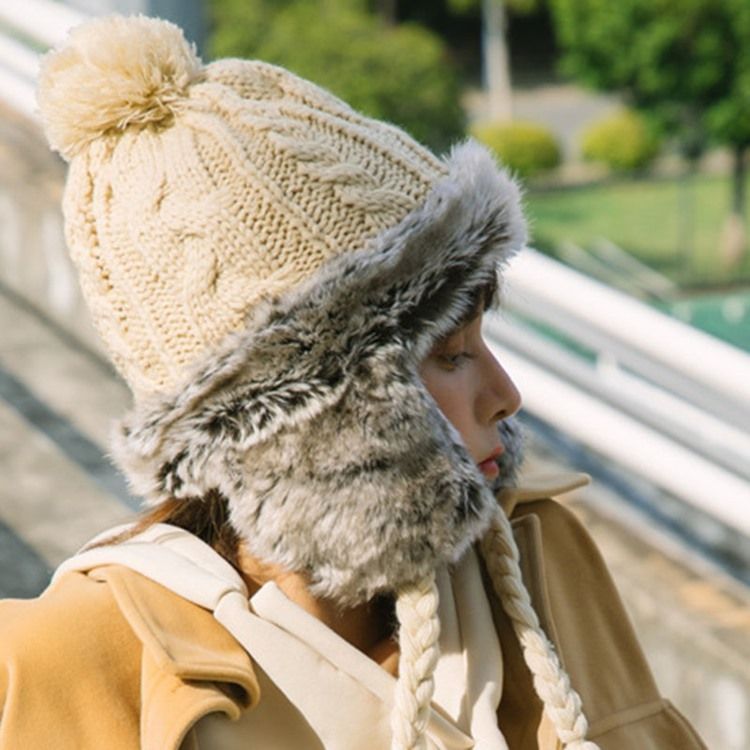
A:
(367, 627)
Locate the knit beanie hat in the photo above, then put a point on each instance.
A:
(267, 269)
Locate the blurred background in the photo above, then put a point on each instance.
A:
(627, 324)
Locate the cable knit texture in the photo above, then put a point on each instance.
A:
(194, 192)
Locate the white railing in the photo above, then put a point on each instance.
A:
(701, 368)
(27, 28)
(656, 396)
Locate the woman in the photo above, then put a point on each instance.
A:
(294, 293)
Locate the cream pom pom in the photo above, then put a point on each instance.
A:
(113, 72)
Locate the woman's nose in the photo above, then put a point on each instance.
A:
(504, 399)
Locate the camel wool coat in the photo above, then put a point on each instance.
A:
(111, 658)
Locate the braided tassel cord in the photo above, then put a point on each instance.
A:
(552, 684)
(419, 629)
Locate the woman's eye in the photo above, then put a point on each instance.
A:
(453, 360)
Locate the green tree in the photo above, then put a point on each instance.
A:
(399, 73)
(684, 62)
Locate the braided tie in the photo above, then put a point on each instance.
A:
(551, 682)
(419, 629)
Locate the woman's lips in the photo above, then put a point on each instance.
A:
(490, 469)
(489, 466)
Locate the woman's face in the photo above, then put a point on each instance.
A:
(472, 390)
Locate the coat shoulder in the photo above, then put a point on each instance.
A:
(69, 652)
(70, 609)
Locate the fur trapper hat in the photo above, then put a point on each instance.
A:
(267, 269)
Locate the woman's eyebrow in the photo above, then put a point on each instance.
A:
(446, 340)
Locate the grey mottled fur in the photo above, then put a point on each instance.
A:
(313, 421)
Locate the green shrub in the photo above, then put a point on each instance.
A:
(624, 142)
(525, 147)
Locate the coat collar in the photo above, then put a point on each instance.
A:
(540, 486)
(179, 637)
